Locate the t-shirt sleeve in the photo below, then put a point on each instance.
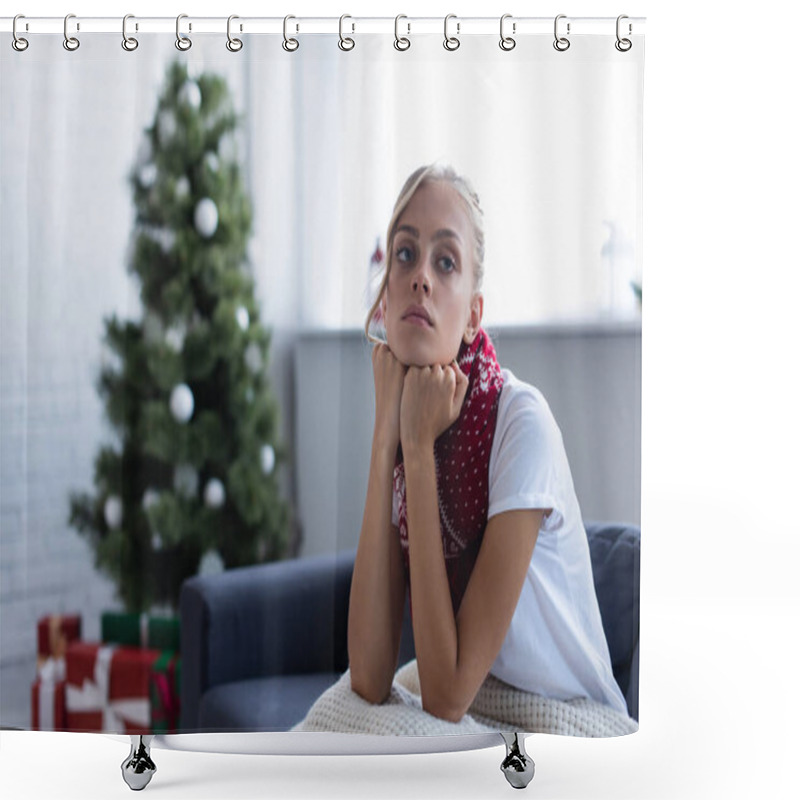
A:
(529, 467)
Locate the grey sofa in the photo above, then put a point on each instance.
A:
(260, 644)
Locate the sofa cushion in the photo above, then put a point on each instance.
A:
(262, 704)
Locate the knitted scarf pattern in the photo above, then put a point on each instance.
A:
(461, 456)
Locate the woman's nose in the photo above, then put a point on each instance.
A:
(421, 280)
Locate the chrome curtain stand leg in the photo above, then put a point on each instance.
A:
(518, 766)
(138, 768)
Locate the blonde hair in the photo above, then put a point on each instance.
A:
(432, 172)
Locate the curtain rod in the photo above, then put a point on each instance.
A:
(462, 26)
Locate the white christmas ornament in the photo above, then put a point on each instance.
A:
(167, 239)
(185, 480)
(214, 494)
(252, 357)
(227, 147)
(175, 336)
(111, 360)
(147, 175)
(152, 328)
(190, 95)
(164, 237)
(182, 187)
(211, 563)
(195, 68)
(112, 510)
(243, 318)
(206, 217)
(181, 403)
(212, 161)
(150, 498)
(267, 459)
(167, 126)
(197, 320)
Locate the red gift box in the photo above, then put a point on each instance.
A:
(108, 688)
(54, 633)
(48, 705)
(48, 695)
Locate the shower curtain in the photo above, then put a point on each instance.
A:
(194, 232)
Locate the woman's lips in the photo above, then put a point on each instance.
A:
(417, 319)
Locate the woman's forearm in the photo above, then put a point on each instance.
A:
(435, 629)
(377, 589)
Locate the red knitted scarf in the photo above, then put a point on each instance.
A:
(461, 456)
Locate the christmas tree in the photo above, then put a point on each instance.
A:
(192, 476)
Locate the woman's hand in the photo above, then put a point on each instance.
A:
(389, 374)
(431, 402)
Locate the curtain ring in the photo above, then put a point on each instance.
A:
(561, 43)
(451, 42)
(70, 42)
(181, 42)
(623, 45)
(346, 43)
(290, 45)
(506, 42)
(234, 45)
(401, 43)
(129, 43)
(18, 43)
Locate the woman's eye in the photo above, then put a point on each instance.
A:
(404, 255)
(447, 264)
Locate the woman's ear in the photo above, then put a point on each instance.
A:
(475, 318)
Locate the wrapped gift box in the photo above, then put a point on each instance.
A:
(48, 697)
(48, 706)
(140, 630)
(108, 688)
(165, 693)
(164, 633)
(121, 628)
(53, 634)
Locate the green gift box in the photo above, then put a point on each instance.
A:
(118, 627)
(139, 630)
(165, 693)
(164, 633)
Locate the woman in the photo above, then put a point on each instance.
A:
(470, 503)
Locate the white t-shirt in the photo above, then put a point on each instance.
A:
(555, 645)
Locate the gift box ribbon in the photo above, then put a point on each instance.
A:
(52, 640)
(93, 697)
(53, 670)
(50, 671)
(167, 694)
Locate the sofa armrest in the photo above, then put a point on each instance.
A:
(615, 549)
(282, 618)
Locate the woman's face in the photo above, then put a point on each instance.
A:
(430, 305)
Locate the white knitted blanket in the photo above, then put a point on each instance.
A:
(497, 707)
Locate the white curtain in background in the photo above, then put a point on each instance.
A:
(549, 140)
